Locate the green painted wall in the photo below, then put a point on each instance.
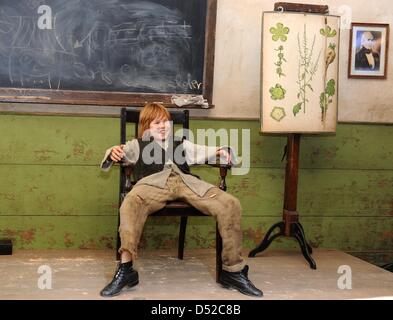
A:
(53, 194)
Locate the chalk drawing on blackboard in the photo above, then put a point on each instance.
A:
(29, 62)
(94, 45)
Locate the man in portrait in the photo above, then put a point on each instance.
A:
(367, 58)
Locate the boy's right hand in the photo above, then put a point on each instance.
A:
(117, 153)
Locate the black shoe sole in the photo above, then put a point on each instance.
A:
(128, 285)
(230, 286)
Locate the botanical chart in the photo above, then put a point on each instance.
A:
(299, 72)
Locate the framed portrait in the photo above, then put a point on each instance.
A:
(368, 50)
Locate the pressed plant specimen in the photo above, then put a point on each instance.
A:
(307, 68)
(280, 62)
(328, 32)
(279, 33)
(278, 113)
(326, 96)
(277, 92)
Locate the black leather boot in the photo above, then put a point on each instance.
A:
(240, 282)
(124, 276)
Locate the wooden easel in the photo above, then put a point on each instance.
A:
(290, 225)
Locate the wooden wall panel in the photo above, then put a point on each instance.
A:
(53, 194)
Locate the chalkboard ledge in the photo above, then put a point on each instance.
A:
(93, 98)
(41, 109)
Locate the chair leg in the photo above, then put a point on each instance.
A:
(218, 254)
(117, 248)
(182, 237)
(118, 243)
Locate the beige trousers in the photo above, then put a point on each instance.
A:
(145, 199)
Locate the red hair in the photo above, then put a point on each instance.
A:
(150, 112)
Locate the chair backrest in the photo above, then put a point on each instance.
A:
(131, 115)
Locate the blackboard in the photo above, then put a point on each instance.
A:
(105, 52)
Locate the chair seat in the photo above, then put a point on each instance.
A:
(178, 208)
(177, 204)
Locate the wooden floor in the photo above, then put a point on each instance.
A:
(81, 274)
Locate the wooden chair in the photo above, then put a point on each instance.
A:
(173, 208)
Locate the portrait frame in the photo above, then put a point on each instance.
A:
(368, 50)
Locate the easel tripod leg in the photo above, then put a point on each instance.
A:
(268, 240)
(299, 235)
(304, 236)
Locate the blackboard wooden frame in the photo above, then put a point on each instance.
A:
(107, 98)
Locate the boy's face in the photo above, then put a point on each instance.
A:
(160, 128)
